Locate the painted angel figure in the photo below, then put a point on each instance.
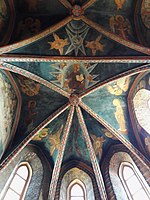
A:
(120, 26)
(97, 145)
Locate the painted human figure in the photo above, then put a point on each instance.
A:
(75, 78)
(119, 115)
(121, 26)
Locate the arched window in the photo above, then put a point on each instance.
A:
(141, 102)
(17, 185)
(133, 182)
(76, 190)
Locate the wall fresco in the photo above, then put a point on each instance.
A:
(113, 110)
(145, 13)
(101, 138)
(76, 147)
(50, 137)
(8, 110)
(78, 39)
(36, 105)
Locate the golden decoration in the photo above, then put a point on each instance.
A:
(119, 3)
(59, 43)
(119, 86)
(109, 134)
(42, 134)
(97, 145)
(55, 140)
(28, 86)
(119, 114)
(95, 45)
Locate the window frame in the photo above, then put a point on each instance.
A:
(139, 177)
(70, 186)
(12, 176)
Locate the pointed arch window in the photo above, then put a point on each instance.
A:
(18, 183)
(76, 190)
(133, 182)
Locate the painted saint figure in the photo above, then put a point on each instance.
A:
(120, 26)
(119, 115)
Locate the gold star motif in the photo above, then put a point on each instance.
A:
(58, 43)
(95, 45)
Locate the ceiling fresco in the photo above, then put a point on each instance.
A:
(109, 103)
(117, 17)
(50, 137)
(77, 66)
(76, 39)
(7, 18)
(36, 105)
(33, 16)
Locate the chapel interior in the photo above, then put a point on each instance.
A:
(74, 99)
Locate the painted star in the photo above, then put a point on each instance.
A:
(59, 43)
(76, 42)
(95, 45)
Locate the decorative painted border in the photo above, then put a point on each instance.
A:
(57, 167)
(138, 154)
(22, 144)
(33, 58)
(131, 72)
(116, 38)
(35, 38)
(12, 17)
(94, 160)
(34, 77)
(131, 109)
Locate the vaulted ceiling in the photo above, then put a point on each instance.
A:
(68, 73)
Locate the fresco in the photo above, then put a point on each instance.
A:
(145, 13)
(76, 147)
(117, 17)
(78, 39)
(33, 16)
(36, 105)
(74, 77)
(89, 73)
(28, 27)
(101, 138)
(111, 106)
(50, 137)
(120, 26)
(8, 109)
(119, 3)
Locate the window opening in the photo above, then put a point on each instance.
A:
(76, 190)
(18, 184)
(135, 187)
